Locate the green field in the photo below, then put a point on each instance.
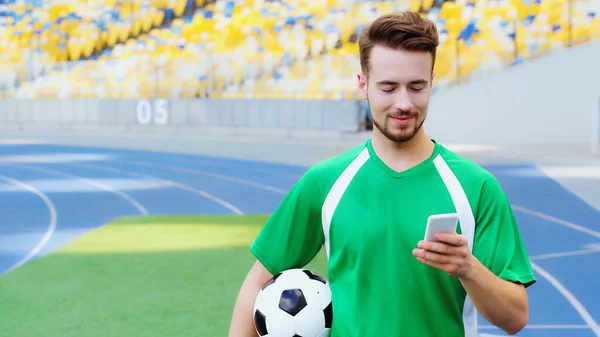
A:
(141, 276)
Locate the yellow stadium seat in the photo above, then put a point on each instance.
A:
(75, 49)
(450, 10)
(136, 27)
(179, 7)
(147, 22)
(445, 64)
(308, 62)
(595, 28)
(157, 18)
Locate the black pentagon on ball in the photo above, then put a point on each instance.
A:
(328, 316)
(260, 323)
(292, 301)
(314, 276)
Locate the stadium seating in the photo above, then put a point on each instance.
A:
(38, 37)
(257, 48)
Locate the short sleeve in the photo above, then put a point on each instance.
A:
(498, 243)
(293, 235)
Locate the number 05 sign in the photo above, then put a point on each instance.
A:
(147, 113)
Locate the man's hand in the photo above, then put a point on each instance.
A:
(451, 254)
(501, 302)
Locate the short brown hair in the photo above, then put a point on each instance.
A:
(406, 30)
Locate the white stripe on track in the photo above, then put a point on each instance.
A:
(213, 175)
(92, 182)
(232, 165)
(580, 252)
(557, 221)
(543, 326)
(202, 193)
(51, 224)
(585, 315)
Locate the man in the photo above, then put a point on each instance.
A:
(369, 206)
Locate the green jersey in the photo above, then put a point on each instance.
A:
(369, 218)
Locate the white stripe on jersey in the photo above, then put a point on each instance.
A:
(467, 226)
(336, 192)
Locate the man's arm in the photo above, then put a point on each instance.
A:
(242, 323)
(291, 238)
(502, 303)
(496, 272)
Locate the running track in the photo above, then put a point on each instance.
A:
(49, 195)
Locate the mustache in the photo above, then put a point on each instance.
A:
(403, 115)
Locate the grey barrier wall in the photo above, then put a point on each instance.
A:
(551, 100)
(227, 116)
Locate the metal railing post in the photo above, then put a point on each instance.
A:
(596, 127)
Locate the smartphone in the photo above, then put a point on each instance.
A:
(440, 223)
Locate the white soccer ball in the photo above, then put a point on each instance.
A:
(294, 303)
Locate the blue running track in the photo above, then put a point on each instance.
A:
(50, 195)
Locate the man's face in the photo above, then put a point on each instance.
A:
(398, 91)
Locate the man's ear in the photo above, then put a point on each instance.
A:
(432, 77)
(362, 86)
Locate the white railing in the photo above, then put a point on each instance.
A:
(596, 127)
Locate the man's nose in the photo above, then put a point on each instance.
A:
(402, 101)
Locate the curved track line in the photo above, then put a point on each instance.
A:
(255, 169)
(51, 224)
(213, 175)
(566, 254)
(589, 320)
(585, 315)
(92, 182)
(293, 176)
(557, 221)
(542, 327)
(169, 182)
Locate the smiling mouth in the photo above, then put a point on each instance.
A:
(402, 119)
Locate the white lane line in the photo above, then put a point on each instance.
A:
(213, 175)
(201, 193)
(201, 161)
(566, 254)
(51, 224)
(585, 315)
(542, 327)
(557, 221)
(293, 176)
(92, 182)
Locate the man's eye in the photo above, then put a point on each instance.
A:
(387, 89)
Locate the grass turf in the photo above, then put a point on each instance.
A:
(142, 276)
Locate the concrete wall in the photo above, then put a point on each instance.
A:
(546, 101)
(163, 116)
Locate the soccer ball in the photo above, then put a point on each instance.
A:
(294, 303)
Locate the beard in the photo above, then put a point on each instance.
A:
(402, 134)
